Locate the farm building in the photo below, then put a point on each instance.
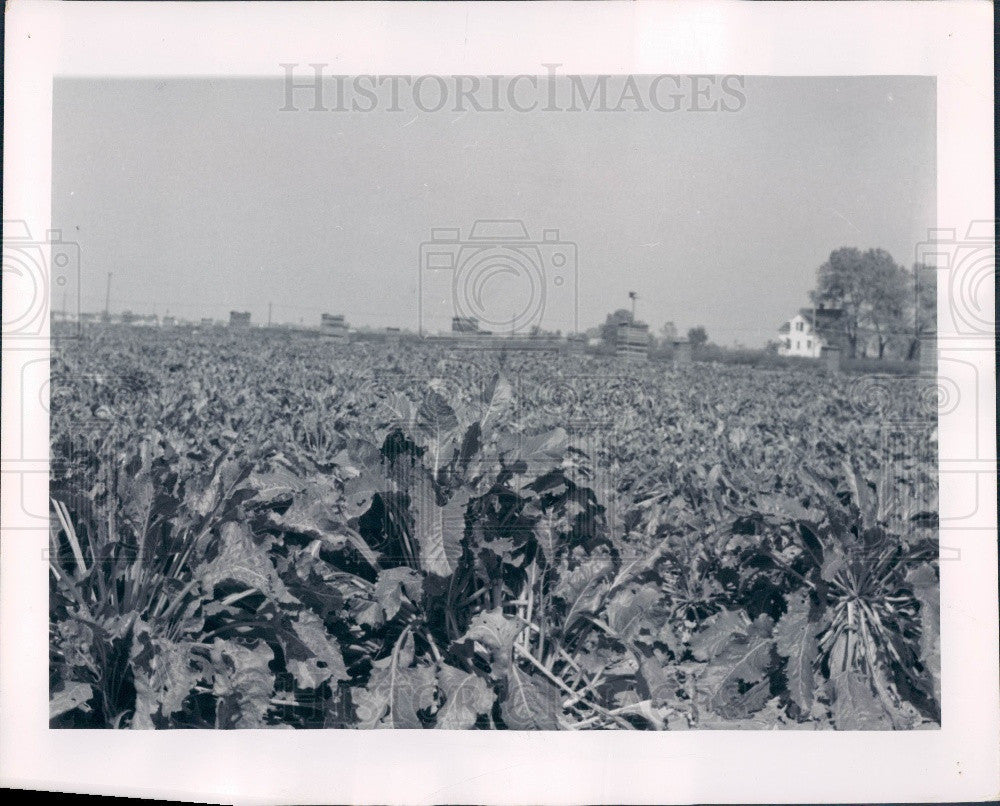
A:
(334, 326)
(633, 341)
(239, 320)
(140, 319)
(806, 333)
(464, 324)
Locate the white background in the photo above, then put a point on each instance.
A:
(948, 40)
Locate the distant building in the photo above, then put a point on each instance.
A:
(334, 326)
(805, 334)
(633, 341)
(464, 324)
(169, 321)
(140, 319)
(239, 320)
(393, 335)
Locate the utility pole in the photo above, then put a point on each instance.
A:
(269, 306)
(633, 296)
(107, 300)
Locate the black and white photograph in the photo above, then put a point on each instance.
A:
(521, 401)
(652, 448)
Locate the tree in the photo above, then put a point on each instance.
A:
(609, 330)
(887, 288)
(669, 333)
(697, 336)
(869, 289)
(923, 307)
(839, 283)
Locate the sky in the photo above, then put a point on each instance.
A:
(201, 196)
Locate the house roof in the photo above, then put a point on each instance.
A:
(785, 328)
(821, 316)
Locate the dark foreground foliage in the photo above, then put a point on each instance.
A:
(255, 532)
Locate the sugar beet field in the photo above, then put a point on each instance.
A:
(265, 530)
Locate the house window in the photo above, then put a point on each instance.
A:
(798, 344)
(809, 344)
(798, 326)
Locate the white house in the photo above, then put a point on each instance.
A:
(799, 336)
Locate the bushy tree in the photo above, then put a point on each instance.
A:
(888, 285)
(870, 290)
(697, 336)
